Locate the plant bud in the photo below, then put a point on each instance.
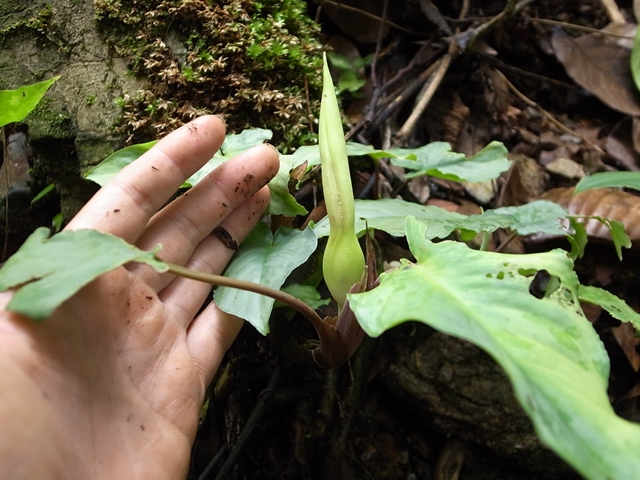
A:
(343, 262)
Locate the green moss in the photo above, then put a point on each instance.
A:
(33, 19)
(256, 63)
(45, 122)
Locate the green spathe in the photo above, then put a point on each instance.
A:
(343, 262)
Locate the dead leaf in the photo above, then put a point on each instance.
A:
(622, 34)
(450, 461)
(496, 92)
(448, 117)
(611, 203)
(591, 311)
(420, 187)
(600, 67)
(620, 146)
(524, 182)
(625, 335)
(633, 393)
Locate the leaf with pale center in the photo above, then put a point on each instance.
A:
(436, 159)
(390, 215)
(556, 363)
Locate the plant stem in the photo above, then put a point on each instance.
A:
(283, 297)
(486, 238)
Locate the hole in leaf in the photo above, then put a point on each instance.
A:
(539, 284)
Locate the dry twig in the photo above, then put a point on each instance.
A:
(427, 93)
(523, 98)
(613, 11)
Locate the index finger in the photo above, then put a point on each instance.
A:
(124, 206)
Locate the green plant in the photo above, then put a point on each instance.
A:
(343, 263)
(16, 104)
(609, 179)
(349, 79)
(550, 352)
(39, 21)
(257, 63)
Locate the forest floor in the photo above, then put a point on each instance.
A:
(414, 403)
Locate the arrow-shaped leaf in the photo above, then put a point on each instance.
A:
(266, 259)
(556, 363)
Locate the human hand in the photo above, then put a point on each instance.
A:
(112, 384)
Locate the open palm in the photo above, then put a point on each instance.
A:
(111, 385)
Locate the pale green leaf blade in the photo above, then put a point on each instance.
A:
(437, 159)
(205, 170)
(609, 179)
(355, 149)
(390, 215)
(306, 153)
(419, 160)
(578, 239)
(237, 143)
(619, 237)
(266, 259)
(282, 202)
(111, 166)
(434, 159)
(311, 153)
(617, 307)
(233, 145)
(16, 104)
(44, 192)
(553, 357)
(307, 294)
(47, 271)
(540, 216)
